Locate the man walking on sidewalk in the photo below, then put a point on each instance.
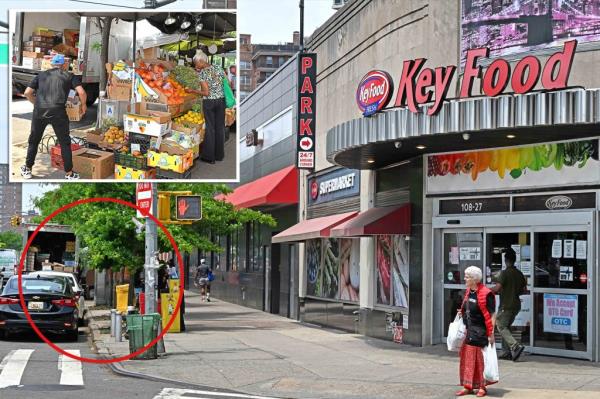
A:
(511, 283)
(48, 92)
(202, 279)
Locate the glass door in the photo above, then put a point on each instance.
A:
(497, 240)
(563, 259)
(461, 249)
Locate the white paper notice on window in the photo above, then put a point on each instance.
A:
(470, 253)
(517, 249)
(405, 322)
(569, 249)
(526, 268)
(557, 249)
(566, 273)
(581, 249)
(453, 256)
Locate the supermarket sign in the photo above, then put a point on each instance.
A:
(419, 85)
(307, 103)
(560, 314)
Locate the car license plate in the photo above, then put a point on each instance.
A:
(35, 305)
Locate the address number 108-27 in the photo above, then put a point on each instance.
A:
(471, 206)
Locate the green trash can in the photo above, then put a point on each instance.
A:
(142, 330)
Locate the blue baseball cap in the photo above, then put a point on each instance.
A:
(58, 59)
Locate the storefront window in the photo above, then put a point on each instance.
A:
(461, 250)
(313, 267)
(234, 251)
(255, 253)
(392, 270)
(561, 260)
(349, 269)
(331, 268)
(561, 321)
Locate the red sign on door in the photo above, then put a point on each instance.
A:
(143, 198)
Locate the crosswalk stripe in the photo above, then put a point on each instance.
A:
(177, 393)
(14, 365)
(71, 372)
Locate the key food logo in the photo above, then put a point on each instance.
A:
(374, 92)
(559, 202)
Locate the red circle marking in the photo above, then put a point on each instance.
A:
(87, 359)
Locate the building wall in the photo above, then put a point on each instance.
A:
(265, 103)
(10, 199)
(245, 67)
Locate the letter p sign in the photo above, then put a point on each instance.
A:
(307, 63)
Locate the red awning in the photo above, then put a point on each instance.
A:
(375, 221)
(278, 188)
(312, 228)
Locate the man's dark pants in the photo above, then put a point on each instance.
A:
(213, 147)
(57, 117)
(504, 320)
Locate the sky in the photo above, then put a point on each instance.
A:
(274, 21)
(34, 190)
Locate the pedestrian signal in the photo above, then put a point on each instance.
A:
(189, 207)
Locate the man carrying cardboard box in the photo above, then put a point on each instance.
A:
(48, 92)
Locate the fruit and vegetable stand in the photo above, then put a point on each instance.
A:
(148, 122)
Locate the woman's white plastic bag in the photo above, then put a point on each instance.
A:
(490, 361)
(457, 332)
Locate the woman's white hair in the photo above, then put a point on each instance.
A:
(200, 56)
(474, 272)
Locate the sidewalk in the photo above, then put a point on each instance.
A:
(237, 348)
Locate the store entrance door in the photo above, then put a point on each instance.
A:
(556, 259)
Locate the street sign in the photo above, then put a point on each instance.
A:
(189, 207)
(143, 198)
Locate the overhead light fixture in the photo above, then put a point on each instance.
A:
(186, 22)
(421, 147)
(370, 160)
(510, 136)
(199, 27)
(466, 136)
(170, 20)
(213, 49)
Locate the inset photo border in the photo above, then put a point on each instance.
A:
(169, 113)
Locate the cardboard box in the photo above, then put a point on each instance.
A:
(32, 63)
(171, 157)
(39, 31)
(125, 173)
(32, 54)
(75, 112)
(151, 123)
(192, 129)
(119, 89)
(70, 247)
(160, 105)
(153, 52)
(93, 164)
(229, 116)
(42, 39)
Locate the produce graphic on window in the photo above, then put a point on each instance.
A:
(349, 269)
(400, 271)
(514, 162)
(384, 269)
(331, 268)
(313, 264)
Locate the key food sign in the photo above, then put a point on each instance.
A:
(419, 85)
(307, 98)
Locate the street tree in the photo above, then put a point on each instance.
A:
(107, 229)
(11, 240)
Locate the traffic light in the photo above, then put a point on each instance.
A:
(15, 220)
(188, 207)
(164, 207)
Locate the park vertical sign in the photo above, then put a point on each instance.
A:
(307, 98)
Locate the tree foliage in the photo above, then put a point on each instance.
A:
(108, 232)
(11, 240)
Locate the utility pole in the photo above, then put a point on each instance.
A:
(301, 26)
(151, 264)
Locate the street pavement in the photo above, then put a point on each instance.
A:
(235, 348)
(30, 369)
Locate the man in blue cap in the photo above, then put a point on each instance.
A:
(48, 92)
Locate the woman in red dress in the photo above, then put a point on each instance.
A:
(477, 312)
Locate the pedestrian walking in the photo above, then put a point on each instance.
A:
(477, 311)
(202, 279)
(213, 106)
(48, 92)
(511, 283)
